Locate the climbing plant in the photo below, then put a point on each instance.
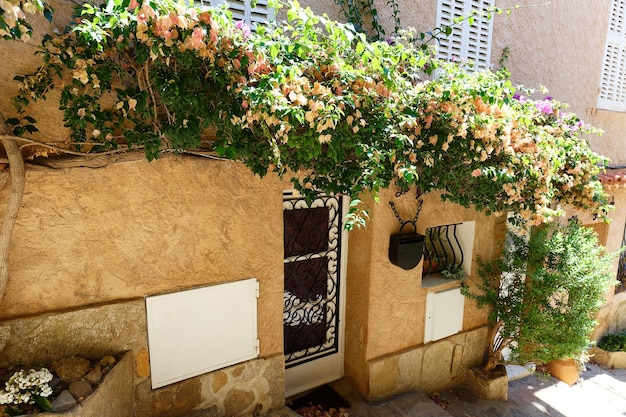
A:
(315, 97)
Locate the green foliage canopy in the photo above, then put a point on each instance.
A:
(313, 97)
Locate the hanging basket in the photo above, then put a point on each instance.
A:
(406, 249)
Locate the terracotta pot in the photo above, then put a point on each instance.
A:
(564, 369)
(429, 266)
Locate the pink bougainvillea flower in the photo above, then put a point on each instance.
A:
(241, 25)
(197, 38)
(146, 12)
(133, 5)
(544, 106)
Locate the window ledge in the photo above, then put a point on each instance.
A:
(437, 282)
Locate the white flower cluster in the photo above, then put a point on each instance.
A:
(23, 388)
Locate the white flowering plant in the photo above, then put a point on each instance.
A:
(27, 388)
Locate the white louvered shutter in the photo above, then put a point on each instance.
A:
(613, 79)
(243, 10)
(467, 42)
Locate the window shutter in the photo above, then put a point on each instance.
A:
(613, 79)
(243, 10)
(467, 42)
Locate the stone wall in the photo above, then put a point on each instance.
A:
(612, 317)
(114, 397)
(427, 368)
(251, 388)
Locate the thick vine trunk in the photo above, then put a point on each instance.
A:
(16, 166)
(493, 356)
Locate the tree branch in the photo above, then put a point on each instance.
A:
(16, 166)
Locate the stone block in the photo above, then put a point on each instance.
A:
(80, 389)
(114, 397)
(495, 387)
(238, 401)
(71, 369)
(437, 366)
(90, 333)
(274, 374)
(384, 377)
(608, 359)
(410, 368)
(64, 402)
(142, 363)
(474, 347)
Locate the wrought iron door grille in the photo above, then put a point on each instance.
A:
(621, 269)
(312, 235)
(443, 250)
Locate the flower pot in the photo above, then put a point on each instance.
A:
(429, 266)
(608, 359)
(564, 369)
(494, 387)
(405, 249)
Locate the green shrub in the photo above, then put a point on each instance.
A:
(543, 293)
(614, 342)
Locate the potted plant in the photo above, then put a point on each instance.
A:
(543, 292)
(611, 350)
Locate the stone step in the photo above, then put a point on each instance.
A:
(410, 404)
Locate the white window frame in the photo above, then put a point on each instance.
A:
(612, 94)
(466, 42)
(243, 10)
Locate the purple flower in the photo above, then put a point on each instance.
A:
(519, 97)
(544, 106)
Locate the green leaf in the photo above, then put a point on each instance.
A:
(43, 404)
(48, 13)
(31, 128)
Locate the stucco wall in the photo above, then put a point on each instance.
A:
(113, 235)
(386, 304)
(128, 230)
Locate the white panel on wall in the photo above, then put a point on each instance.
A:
(197, 331)
(444, 314)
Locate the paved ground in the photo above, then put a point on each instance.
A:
(599, 393)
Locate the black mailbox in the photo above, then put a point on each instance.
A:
(405, 249)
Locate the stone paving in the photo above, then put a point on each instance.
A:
(598, 393)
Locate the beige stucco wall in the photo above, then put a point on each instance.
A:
(129, 230)
(90, 244)
(386, 304)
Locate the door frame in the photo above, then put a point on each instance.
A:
(316, 372)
